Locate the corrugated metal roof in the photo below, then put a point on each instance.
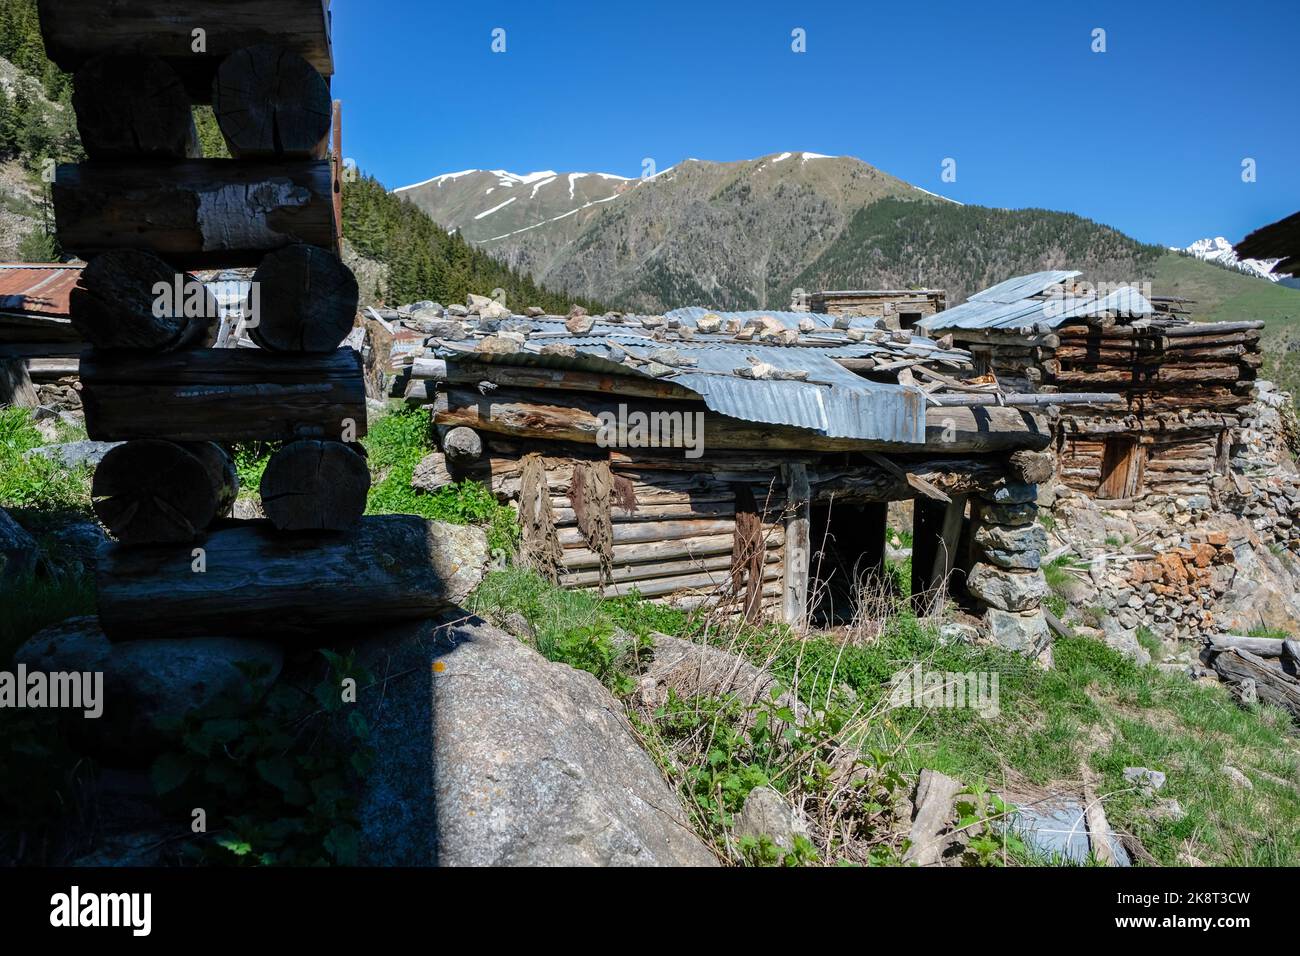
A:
(994, 308)
(37, 288)
(1023, 287)
(833, 401)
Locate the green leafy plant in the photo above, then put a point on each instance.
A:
(279, 784)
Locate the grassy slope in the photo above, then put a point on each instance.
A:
(1096, 707)
(1221, 295)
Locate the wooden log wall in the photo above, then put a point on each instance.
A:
(679, 529)
(1186, 386)
(143, 209)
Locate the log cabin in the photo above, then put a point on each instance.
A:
(1186, 386)
(742, 459)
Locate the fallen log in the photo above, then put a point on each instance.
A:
(151, 492)
(133, 107)
(1272, 684)
(197, 213)
(314, 485)
(295, 586)
(132, 299)
(1259, 646)
(223, 395)
(307, 300)
(272, 104)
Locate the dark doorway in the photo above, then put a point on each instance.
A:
(847, 559)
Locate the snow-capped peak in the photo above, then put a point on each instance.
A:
(1220, 250)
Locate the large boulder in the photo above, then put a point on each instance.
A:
(17, 550)
(149, 686)
(487, 754)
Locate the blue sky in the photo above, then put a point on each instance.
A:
(1148, 136)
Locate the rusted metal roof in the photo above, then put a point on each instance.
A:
(37, 288)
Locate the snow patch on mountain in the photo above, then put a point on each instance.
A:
(1219, 250)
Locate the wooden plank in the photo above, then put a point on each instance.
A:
(197, 214)
(293, 586)
(574, 416)
(76, 30)
(223, 395)
(798, 546)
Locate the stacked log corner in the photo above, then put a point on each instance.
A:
(143, 208)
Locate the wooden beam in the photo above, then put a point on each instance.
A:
(196, 214)
(296, 586)
(223, 395)
(798, 546)
(574, 416)
(192, 37)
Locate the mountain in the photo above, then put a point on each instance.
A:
(400, 255)
(1219, 251)
(732, 234)
(747, 234)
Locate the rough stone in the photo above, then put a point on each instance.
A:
(1006, 590)
(1009, 514)
(1025, 632)
(150, 685)
(1237, 777)
(1012, 493)
(17, 550)
(1020, 538)
(766, 813)
(698, 670)
(74, 453)
(1123, 639)
(1147, 780)
(1014, 560)
(487, 754)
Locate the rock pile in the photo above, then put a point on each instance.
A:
(1008, 577)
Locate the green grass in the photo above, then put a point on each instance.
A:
(395, 444)
(1095, 707)
(602, 637)
(1224, 296)
(38, 482)
(36, 603)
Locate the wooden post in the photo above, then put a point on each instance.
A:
(798, 547)
(936, 531)
(949, 536)
(927, 523)
(875, 525)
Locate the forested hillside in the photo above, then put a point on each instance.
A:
(423, 261)
(901, 244)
